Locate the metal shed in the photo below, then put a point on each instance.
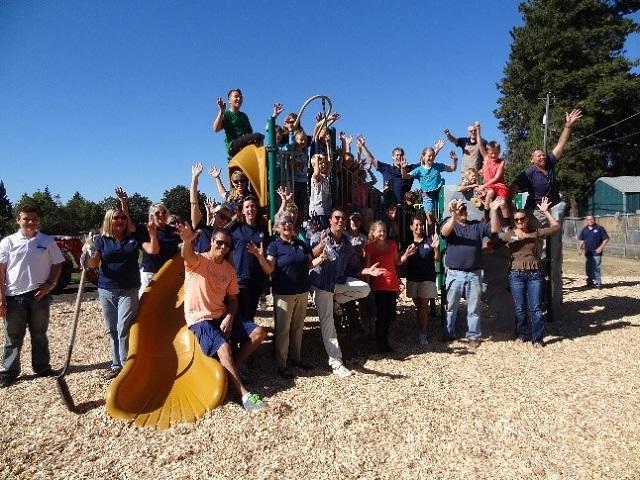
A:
(611, 195)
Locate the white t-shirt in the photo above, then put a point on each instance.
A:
(28, 261)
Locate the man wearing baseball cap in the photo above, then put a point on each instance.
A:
(464, 246)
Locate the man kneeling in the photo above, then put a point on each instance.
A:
(210, 306)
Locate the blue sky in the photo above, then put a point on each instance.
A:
(103, 93)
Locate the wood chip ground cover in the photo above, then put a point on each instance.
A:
(502, 411)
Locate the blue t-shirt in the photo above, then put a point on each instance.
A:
(398, 185)
(429, 178)
(169, 240)
(592, 238)
(291, 273)
(464, 245)
(119, 262)
(330, 272)
(421, 267)
(247, 266)
(540, 184)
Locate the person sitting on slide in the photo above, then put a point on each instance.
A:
(238, 132)
(210, 307)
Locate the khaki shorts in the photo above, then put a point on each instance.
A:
(425, 289)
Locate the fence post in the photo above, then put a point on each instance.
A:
(626, 229)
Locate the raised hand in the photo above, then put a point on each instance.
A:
(196, 170)
(255, 250)
(277, 109)
(215, 172)
(185, 232)
(455, 205)
(360, 140)
(453, 155)
(544, 204)
(121, 195)
(439, 144)
(572, 117)
(209, 204)
(411, 250)
(152, 228)
(497, 203)
(221, 104)
(435, 241)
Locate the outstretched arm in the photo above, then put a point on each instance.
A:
(363, 147)
(124, 205)
(187, 235)
(215, 173)
(196, 214)
(454, 162)
(570, 119)
(450, 137)
(481, 148)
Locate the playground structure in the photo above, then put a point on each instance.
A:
(71, 248)
(167, 379)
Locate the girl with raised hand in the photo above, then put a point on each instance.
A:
(492, 174)
(428, 173)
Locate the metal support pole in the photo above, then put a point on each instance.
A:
(271, 166)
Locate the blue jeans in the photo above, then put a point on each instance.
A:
(24, 311)
(119, 308)
(592, 267)
(526, 290)
(469, 283)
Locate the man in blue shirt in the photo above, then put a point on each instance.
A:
(391, 174)
(464, 246)
(593, 239)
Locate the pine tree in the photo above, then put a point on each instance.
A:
(573, 49)
(7, 225)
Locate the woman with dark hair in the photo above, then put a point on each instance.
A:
(250, 240)
(526, 277)
(115, 250)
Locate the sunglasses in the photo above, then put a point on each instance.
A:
(519, 219)
(239, 182)
(221, 243)
(338, 217)
(119, 217)
(160, 212)
(286, 222)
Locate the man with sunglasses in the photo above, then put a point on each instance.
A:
(464, 247)
(30, 263)
(329, 283)
(211, 309)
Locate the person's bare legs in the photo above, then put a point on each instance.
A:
(256, 338)
(226, 360)
(488, 198)
(422, 313)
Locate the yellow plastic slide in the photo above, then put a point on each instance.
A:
(166, 378)
(252, 161)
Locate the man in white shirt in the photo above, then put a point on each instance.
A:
(30, 263)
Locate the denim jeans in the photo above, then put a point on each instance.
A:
(24, 311)
(592, 267)
(468, 283)
(119, 308)
(526, 290)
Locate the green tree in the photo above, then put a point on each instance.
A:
(575, 50)
(82, 215)
(7, 223)
(177, 201)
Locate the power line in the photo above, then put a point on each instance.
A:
(610, 126)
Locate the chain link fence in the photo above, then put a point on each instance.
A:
(623, 231)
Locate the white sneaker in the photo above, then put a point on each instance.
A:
(342, 371)
(423, 340)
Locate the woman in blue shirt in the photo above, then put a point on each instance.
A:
(115, 250)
